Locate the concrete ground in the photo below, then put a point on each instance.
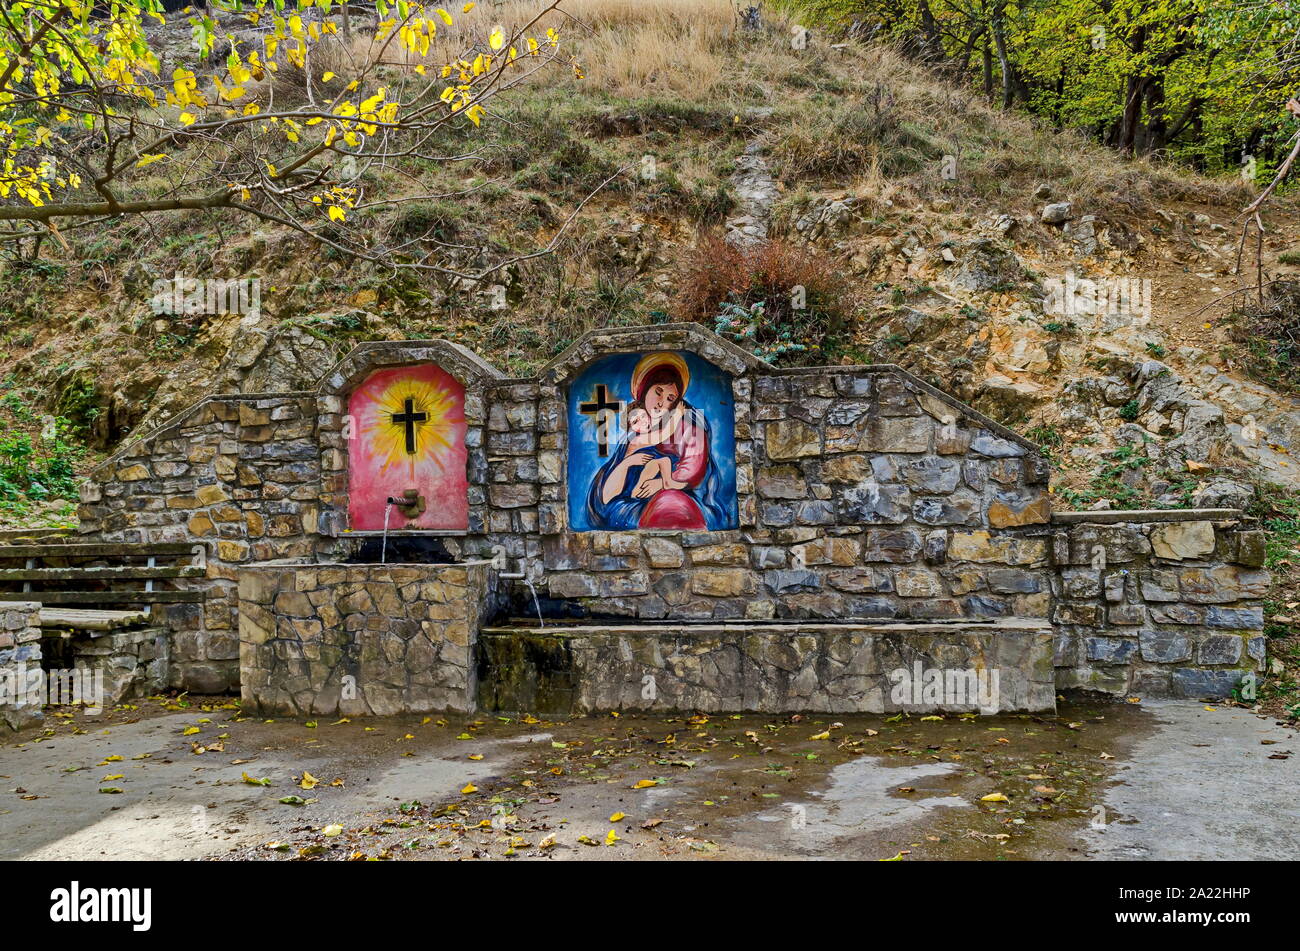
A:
(1098, 780)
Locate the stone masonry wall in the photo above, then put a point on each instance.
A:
(20, 652)
(135, 663)
(1158, 604)
(239, 476)
(862, 493)
(360, 639)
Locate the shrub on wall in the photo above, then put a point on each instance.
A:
(779, 300)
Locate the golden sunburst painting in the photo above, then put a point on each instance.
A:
(409, 434)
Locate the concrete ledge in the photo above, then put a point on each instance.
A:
(1113, 516)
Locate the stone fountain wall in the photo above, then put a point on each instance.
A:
(343, 640)
(862, 492)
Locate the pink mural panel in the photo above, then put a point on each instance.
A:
(408, 432)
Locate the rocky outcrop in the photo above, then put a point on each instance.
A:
(756, 192)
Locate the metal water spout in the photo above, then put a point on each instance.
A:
(523, 574)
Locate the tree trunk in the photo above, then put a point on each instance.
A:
(1004, 62)
(1156, 135)
(1134, 92)
(988, 70)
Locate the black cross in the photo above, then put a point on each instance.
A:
(602, 404)
(408, 418)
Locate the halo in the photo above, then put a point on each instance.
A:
(652, 361)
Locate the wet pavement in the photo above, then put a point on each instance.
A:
(1099, 780)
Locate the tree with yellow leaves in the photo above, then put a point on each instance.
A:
(266, 108)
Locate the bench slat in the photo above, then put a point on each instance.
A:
(90, 620)
(99, 574)
(97, 550)
(105, 597)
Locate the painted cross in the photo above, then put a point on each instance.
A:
(409, 418)
(596, 410)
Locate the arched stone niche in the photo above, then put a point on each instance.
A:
(610, 384)
(404, 415)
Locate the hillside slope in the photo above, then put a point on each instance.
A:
(928, 202)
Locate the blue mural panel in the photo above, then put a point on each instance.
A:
(652, 444)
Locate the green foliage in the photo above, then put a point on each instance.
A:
(1047, 436)
(1203, 82)
(1278, 511)
(38, 469)
(1268, 336)
(1129, 411)
(1109, 481)
(741, 324)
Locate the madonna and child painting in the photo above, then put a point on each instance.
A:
(652, 445)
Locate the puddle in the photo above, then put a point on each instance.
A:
(861, 797)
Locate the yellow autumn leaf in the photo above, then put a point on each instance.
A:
(332, 830)
(467, 7)
(308, 780)
(617, 816)
(476, 756)
(469, 788)
(187, 118)
(547, 842)
(337, 213)
(150, 159)
(825, 735)
(189, 731)
(645, 784)
(497, 38)
(611, 837)
(994, 797)
(446, 17)
(109, 779)
(113, 759)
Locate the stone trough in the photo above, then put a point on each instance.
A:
(561, 670)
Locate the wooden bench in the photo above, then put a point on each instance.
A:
(78, 574)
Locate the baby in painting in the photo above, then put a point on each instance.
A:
(660, 467)
(638, 471)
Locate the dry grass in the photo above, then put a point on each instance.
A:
(863, 116)
(630, 48)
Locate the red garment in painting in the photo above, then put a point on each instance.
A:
(674, 508)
